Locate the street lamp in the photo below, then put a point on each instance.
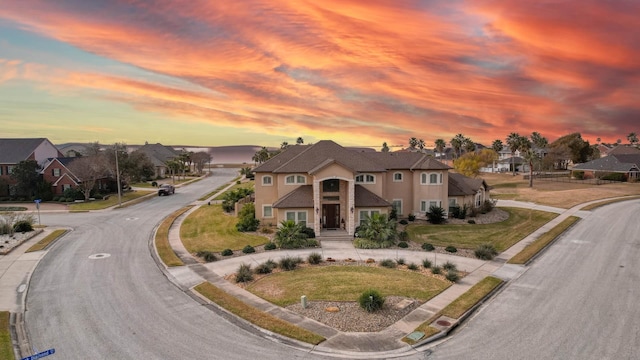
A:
(118, 178)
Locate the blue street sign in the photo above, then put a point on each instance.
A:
(40, 354)
(37, 201)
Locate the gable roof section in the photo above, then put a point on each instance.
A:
(460, 185)
(406, 160)
(12, 151)
(608, 163)
(623, 150)
(158, 153)
(365, 198)
(301, 197)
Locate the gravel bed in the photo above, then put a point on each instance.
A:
(352, 318)
(8, 242)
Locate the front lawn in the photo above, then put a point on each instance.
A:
(6, 347)
(245, 185)
(502, 235)
(210, 229)
(344, 283)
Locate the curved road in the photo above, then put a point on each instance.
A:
(578, 300)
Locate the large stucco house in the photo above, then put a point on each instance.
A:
(327, 186)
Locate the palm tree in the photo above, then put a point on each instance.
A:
(513, 142)
(290, 235)
(299, 141)
(413, 142)
(456, 144)
(468, 145)
(284, 145)
(525, 147)
(385, 147)
(440, 145)
(379, 229)
(420, 144)
(539, 140)
(497, 145)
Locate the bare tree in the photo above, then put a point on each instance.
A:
(87, 170)
(200, 159)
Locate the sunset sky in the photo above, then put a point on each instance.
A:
(359, 72)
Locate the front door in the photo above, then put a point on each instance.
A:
(331, 216)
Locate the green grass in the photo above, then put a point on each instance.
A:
(540, 243)
(246, 185)
(344, 283)
(111, 201)
(428, 331)
(166, 253)
(471, 297)
(42, 244)
(607, 202)
(12, 208)
(502, 235)
(210, 194)
(255, 316)
(210, 229)
(6, 347)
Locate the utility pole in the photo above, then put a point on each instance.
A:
(118, 178)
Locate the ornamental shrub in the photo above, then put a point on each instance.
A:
(435, 215)
(452, 276)
(244, 273)
(371, 300)
(247, 219)
(426, 263)
(207, 256)
(400, 261)
(227, 252)
(266, 267)
(436, 270)
(314, 258)
(449, 266)
(289, 263)
(248, 249)
(428, 247)
(388, 263)
(411, 217)
(270, 246)
(22, 226)
(403, 222)
(403, 244)
(412, 266)
(486, 252)
(451, 249)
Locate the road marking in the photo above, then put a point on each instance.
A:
(99, 256)
(131, 218)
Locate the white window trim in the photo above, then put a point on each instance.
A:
(295, 179)
(263, 210)
(270, 180)
(364, 179)
(427, 178)
(401, 177)
(297, 219)
(369, 213)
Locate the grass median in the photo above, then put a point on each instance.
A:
(166, 253)
(255, 316)
(607, 202)
(502, 235)
(540, 243)
(42, 244)
(111, 201)
(6, 346)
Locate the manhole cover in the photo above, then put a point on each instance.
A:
(443, 323)
(99, 256)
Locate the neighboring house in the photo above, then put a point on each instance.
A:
(13, 151)
(56, 173)
(327, 186)
(159, 155)
(465, 190)
(603, 149)
(621, 159)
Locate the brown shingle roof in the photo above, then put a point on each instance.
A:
(365, 198)
(406, 160)
(460, 185)
(12, 151)
(302, 197)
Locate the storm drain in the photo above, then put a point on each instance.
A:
(99, 256)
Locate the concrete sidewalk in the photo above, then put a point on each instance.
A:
(375, 345)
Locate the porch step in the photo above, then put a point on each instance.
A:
(334, 236)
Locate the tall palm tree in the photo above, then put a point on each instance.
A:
(421, 144)
(539, 140)
(284, 145)
(513, 142)
(440, 145)
(468, 145)
(528, 154)
(456, 144)
(413, 142)
(497, 145)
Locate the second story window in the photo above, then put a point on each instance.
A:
(295, 179)
(267, 180)
(365, 179)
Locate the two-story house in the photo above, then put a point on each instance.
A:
(327, 186)
(13, 151)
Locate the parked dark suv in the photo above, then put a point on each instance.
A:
(166, 189)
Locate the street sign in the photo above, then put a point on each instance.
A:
(37, 201)
(40, 354)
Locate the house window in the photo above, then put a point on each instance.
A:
(295, 179)
(55, 172)
(1, 167)
(9, 169)
(299, 217)
(65, 187)
(267, 211)
(431, 178)
(331, 185)
(397, 205)
(267, 181)
(479, 198)
(365, 179)
(452, 203)
(364, 214)
(397, 177)
(426, 204)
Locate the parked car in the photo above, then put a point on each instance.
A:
(166, 189)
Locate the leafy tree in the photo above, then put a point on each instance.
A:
(299, 141)
(290, 235)
(469, 164)
(93, 149)
(261, 155)
(137, 167)
(200, 159)
(633, 138)
(284, 145)
(385, 147)
(569, 148)
(378, 229)
(26, 173)
(231, 198)
(247, 218)
(88, 169)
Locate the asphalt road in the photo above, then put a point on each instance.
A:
(121, 306)
(579, 300)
